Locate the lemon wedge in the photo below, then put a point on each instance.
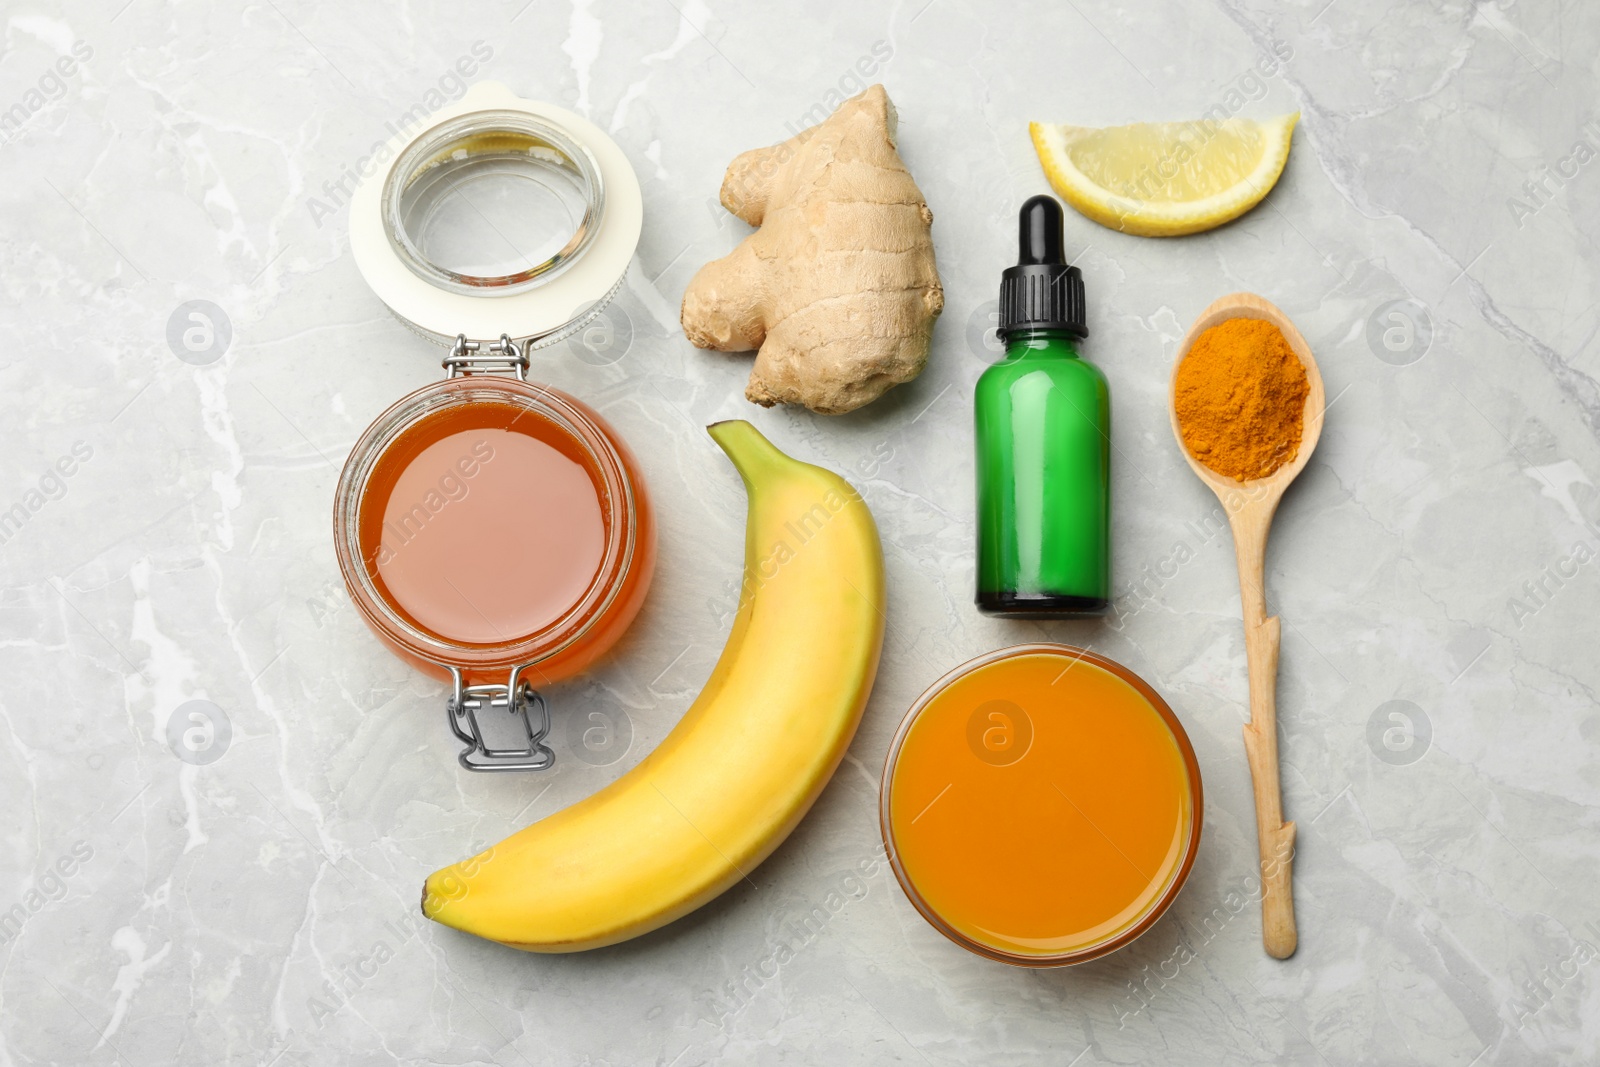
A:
(1163, 179)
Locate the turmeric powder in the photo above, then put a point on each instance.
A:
(1241, 398)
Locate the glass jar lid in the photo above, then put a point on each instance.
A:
(502, 216)
(492, 200)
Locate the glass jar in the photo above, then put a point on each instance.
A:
(490, 530)
(1041, 805)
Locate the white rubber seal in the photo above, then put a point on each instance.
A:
(547, 311)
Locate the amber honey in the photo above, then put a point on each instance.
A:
(487, 523)
(455, 486)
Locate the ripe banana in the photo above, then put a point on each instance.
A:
(744, 765)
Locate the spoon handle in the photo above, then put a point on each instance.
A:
(1261, 635)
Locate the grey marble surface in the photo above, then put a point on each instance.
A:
(261, 907)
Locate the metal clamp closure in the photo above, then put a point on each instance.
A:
(520, 701)
(500, 357)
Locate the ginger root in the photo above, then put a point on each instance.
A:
(838, 287)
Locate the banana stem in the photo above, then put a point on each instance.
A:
(751, 453)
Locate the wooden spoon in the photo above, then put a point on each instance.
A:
(1249, 507)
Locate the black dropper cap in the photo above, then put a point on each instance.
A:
(1041, 292)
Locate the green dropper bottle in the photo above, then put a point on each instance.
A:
(1044, 442)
